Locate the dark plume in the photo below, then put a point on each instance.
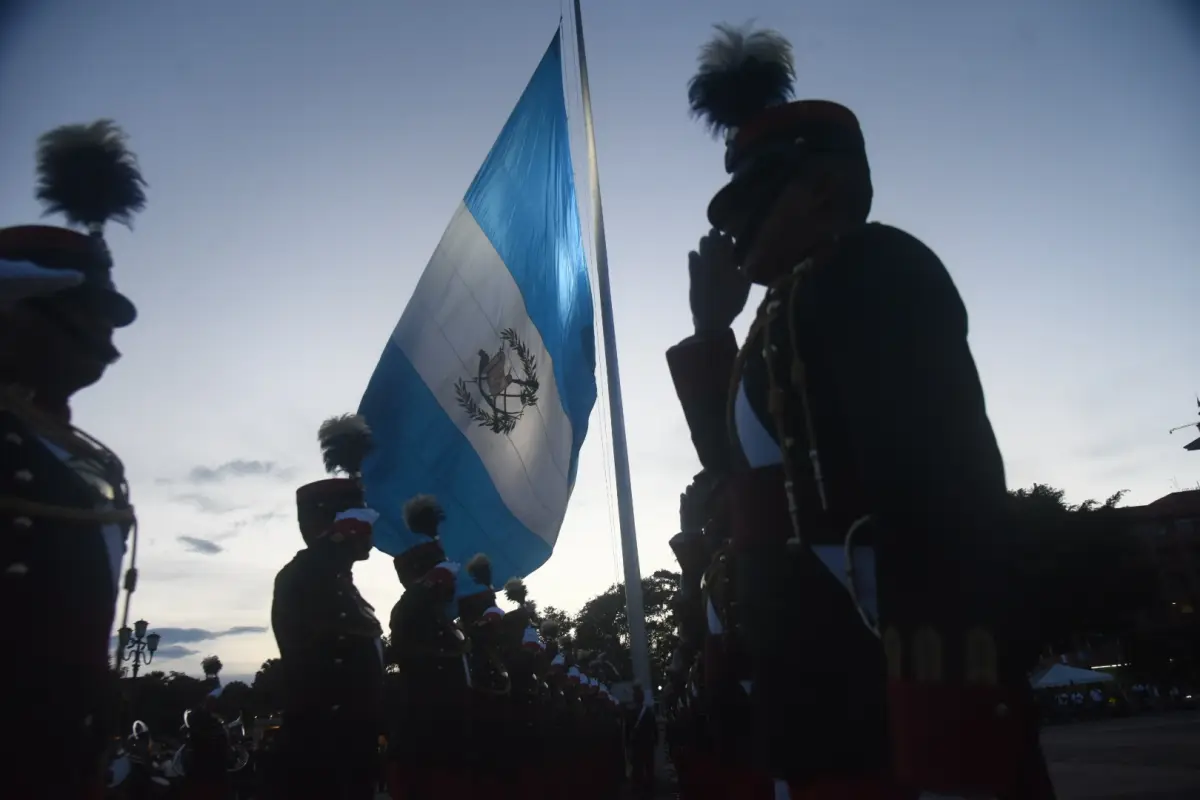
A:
(550, 630)
(516, 591)
(480, 569)
(423, 514)
(345, 442)
(88, 174)
(741, 72)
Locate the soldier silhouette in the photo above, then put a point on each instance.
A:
(329, 638)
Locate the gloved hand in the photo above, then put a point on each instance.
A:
(693, 504)
(718, 290)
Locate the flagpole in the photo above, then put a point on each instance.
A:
(634, 607)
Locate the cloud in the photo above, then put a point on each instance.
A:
(205, 503)
(257, 519)
(238, 468)
(176, 636)
(195, 544)
(174, 651)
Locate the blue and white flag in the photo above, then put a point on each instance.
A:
(482, 395)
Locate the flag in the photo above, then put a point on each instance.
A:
(483, 393)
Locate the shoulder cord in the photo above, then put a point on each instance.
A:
(768, 310)
(799, 381)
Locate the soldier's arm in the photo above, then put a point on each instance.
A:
(300, 618)
(701, 368)
(894, 331)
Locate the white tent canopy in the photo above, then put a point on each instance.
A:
(1063, 675)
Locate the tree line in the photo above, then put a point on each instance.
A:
(1084, 572)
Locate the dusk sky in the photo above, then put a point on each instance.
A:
(305, 156)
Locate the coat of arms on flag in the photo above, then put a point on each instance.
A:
(506, 381)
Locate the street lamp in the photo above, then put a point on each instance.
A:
(136, 645)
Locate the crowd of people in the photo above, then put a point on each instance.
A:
(850, 626)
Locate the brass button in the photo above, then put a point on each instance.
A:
(23, 475)
(342, 615)
(17, 569)
(337, 661)
(23, 522)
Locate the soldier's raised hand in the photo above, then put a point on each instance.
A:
(693, 505)
(718, 290)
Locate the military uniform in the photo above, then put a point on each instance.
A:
(208, 755)
(865, 488)
(524, 654)
(329, 637)
(429, 720)
(64, 501)
(491, 686)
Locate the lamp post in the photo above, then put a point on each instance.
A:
(136, 645)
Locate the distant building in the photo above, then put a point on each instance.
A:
(1171, 527)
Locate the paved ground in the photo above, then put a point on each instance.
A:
(1153, 757)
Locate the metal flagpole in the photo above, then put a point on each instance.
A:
(634, 608)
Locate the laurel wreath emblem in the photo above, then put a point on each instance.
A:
(493, 413)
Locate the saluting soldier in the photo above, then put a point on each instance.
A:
(865, 487)
(329, 638)
(63, 497)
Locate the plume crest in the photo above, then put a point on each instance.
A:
(549, 630)
(423, 514)
(88, 174)
(516, 591)
(741, 72)
(345, 442)
(480, 569)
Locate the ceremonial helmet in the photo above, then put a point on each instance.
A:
(345, 442)
(87, 174)
(422, 514)
(477, 599)
(743, 91)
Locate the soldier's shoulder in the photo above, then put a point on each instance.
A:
(292, 571)
(876, 242)
(882, 261)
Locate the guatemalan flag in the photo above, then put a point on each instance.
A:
(483, 393)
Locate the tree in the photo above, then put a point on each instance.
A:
(211, 666)
(1085, 569)
(602, 628)
(564, 621)
(268, 687)
(235, 699)
(159, 699)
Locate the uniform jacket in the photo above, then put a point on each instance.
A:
(329, 643)
(429, 720)
(876, 333)
(59, 579)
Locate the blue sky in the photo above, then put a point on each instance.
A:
(305, 156)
